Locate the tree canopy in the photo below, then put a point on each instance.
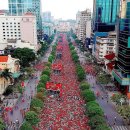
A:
(25, 55)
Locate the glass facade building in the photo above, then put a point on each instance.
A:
(121, 73)
(124, 43)
(105, 14)
(19, 7)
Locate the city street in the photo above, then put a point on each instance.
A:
(106, 104)
(66, 113)
(23, 104)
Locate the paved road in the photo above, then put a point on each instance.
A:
(30, 90)
(107, 107)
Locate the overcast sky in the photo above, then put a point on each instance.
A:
(65, 9)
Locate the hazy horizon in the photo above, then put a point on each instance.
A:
(64, 9)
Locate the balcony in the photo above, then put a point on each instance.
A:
(120, 78)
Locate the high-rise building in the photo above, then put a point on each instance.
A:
(15, 30)
(105, 13)
(82, 18)
(19, 7)
(121, 72)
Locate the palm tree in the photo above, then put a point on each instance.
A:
(7, 76)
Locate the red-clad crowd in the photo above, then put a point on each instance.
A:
(68, 113)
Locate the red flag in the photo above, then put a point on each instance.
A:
(22, 83)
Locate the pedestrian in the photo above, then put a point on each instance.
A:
(105, 115)
(115, 118)
(102, 97)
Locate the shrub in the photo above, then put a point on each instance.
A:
(84, 86)
(26, 126)
(81, 75)
(40, 96)
(2, 124)
(51, 58)
(48, 64)
(72, 47)
(32, 118)
(88, 95)
(40, 89)
(73, 52)
(46, 72)
(75, 58)
(102, 127)
(41, 85)
(94, 110)
(44, 78)
(92, 103)
(20, 89)
(96, 120)
(36, 103)
(46, 68)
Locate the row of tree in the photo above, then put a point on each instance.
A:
(93, 110)
(37, 103)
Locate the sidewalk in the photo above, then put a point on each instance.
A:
(106, 104)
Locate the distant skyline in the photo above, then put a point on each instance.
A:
(65, 9)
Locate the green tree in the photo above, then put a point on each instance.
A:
(50, 58)
(6, 75)
(94, 110)
(46, 72)
(96, 120)
(88, 95)
(103, 79)
(36, 103)
(102, 127)
(32, 118)
(26, 126)
(84, 86)
(2, 124)
(44, 78)
(41, 85)
(48, 64)
(25, 55)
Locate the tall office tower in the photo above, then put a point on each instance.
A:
(105, 13)
(82, 18)
(19, 7)
(121, 72)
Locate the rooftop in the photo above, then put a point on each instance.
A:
(3, 58)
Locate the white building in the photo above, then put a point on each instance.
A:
(63, 26)
(83, 20)
(21, 28)
(104, 46)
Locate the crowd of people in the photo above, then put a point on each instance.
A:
(68, 113)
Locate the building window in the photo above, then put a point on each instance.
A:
(3, 26)
(3, 23)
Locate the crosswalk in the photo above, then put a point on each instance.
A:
(119, 128)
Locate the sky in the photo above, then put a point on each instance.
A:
(65, 9)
